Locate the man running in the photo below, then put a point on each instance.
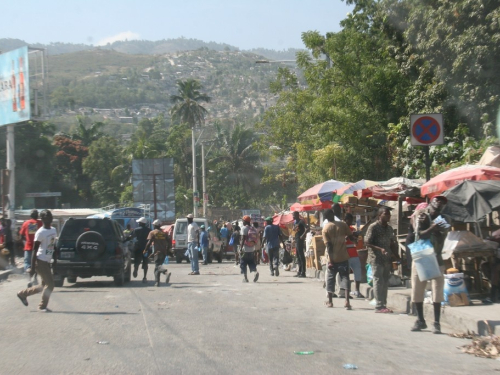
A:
(141, 234)
(42, 254)
(161, 243)
(248, 240)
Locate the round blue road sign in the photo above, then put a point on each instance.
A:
(426, 130)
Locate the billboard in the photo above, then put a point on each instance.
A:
(14, 87)
(153, 184)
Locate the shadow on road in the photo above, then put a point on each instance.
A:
(91, 313)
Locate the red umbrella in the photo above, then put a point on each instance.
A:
(311, 207)
(282, 219)
(448, 179)
(392, 189)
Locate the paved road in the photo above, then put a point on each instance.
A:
(214, 324)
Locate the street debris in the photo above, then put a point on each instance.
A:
(481, 346)
(350, 366)
(103, 342)
(304, 353)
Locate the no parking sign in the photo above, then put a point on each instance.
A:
(426, 130)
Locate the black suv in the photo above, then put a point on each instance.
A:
(92, 247)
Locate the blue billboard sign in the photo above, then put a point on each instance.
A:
(14, 87)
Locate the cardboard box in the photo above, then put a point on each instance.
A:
(458, 299)
(349, 200)
(319, 250)
(363, 201)
(372, 202)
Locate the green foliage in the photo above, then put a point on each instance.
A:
(187, 107)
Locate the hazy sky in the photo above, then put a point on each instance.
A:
(273, 24)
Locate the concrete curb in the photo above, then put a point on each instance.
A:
(478, 318)
(4, 275)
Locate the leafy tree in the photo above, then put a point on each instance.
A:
(104, 155)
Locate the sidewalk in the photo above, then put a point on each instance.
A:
(19, 269)
(475, 318)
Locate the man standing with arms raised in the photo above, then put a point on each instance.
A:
(193, 239)
(300, 236)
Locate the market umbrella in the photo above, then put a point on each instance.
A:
(320, 192)
(282, 219)
(471, 200)
(392, 189)
(352, 187)
(453, 177)
(311, 207)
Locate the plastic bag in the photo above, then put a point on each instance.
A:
(166, 260)
(369, 274)
(231, 241)
(420, 245)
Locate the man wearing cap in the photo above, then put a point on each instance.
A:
(272, 238)
(204, 244)
(248, 240)
(429, 223)
(27, 232)
(161, 243)
(141, 234)
(300, 235)
(193, 240)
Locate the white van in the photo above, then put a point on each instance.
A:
(179, 238)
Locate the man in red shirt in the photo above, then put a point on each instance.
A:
(354, 262)
(27, 232)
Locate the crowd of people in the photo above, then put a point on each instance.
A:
(253, 243)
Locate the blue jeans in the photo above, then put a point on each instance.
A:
(27, 259)
(193, 255)
(204, 250)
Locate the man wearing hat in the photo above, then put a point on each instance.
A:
(272, 238)
(193, 242)
(161, 243)
(204, 244)
(141, 234)
(429, 223)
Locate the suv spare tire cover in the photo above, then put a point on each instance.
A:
(90, 245)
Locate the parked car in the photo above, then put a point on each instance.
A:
(92, 247)
(179, 239)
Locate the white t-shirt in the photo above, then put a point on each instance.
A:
(47, 239)
(244, 232)
(192, 228)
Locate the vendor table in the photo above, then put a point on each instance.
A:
(477, 254)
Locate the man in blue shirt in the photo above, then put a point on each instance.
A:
(204, 244)
(272, 237)
(224, 234)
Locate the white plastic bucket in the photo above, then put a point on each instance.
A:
(426, 264)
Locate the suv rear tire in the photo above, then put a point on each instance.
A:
(90, 245)
(71, 279)
(59, 282)
(128, 273)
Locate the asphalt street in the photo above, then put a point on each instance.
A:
(215, 324)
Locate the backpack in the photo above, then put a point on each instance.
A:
(252, 237)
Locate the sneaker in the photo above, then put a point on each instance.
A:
(436, 329)
(277, 272)
(195, 273)
(272, 273)
(144, 281)
(157, 283)
(245, 280)
(418, 326)
(24, 300)
(45, 310)
(168, 278)
(256, 277)
(135, 274)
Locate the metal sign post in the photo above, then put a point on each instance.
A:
(427, 130)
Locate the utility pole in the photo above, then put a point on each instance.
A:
(11, 165)
(195, 188)
(204, 180)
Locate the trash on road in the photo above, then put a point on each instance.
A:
(350, 366)
(103, 342)
(304, 353)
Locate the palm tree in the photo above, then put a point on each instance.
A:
(240, 158)
(187, 107)
(87, 135)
